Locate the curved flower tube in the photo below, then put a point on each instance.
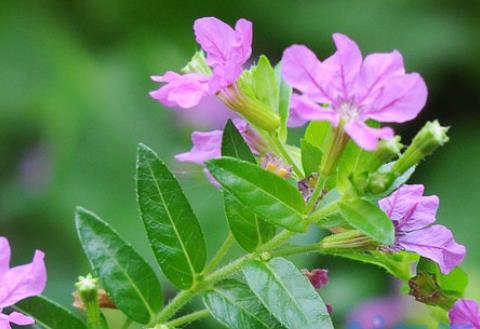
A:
(346, 89)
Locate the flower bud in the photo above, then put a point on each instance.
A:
(425, 288)
(87, 288)
(318, 277)
(387, 150)
(379, 182)
(427, 140)
(352, 239)
(197, 64)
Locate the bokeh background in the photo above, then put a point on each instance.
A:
(74, 82)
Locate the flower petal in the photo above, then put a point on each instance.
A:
(304, 72)
(23, 281)
(367, 137)
(20, 319)
(184, 91)
(345, 63)
(436, 243)
(4, 255)
(376, 69)
(400, 99)
(206, 146)
(303, 110)
(244, 36)
(409, 209)
(464, 314)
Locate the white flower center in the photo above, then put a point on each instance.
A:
(349, 111)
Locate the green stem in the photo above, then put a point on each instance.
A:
(222, 251)
(323, 212)
(175, 304)
(285, 155)
(315, 247)
(312, 202)
(277, 240)
(186, 319)
(227, 270)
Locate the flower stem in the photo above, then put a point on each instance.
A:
(222, 251)
(315, 247)
(175, 304)
(186, 319)
(312, 202)
(285, 155)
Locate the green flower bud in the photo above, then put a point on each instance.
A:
(87, 287)
(387, 150)
(197, 64)
(352, 239)
(427, 140)
(379, 182)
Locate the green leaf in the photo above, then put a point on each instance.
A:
(319, 134)
(311, 157)
(125, 275)
(248, 229)
(233, 144)
(456, 281)
(287, 294)
(369, 219)
(48, 314)
(172, 228)
(264, 83)
(285, 93)
(234, 305)
(269, 196)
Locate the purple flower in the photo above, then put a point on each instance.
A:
(413, 215)
(18, 283)
(464, 314)
(275, 165)
(227, 50)
(350, 90)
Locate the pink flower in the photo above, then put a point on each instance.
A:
(346, 88)
(464, 314)
(227, 50)
(413, 215)
(18, 283)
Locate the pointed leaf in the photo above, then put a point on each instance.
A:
(266, 194)
(234, 305)
(247, 228)
(369, 219)
(287, 294)
(264, 83)
(311, 157)
(456, 281)
(125, 275)
(172, 227)
(233, 144)
(48, 314)
(319, 134)
(285, 93)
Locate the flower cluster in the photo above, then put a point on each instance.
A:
(343, 99)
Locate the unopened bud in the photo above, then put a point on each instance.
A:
(265, 256)
(317, 277)
(427, 140)
(87, 287)
(197, 64)
(352, 239)
(387, 150)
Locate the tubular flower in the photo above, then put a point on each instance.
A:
(227, 50)
(413, 216)
(348, 90)
(18, 283)
(464, 314)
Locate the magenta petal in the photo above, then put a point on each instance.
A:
(215, 37)
(306, 110)
(409, 209)
(20, 319)
(400, 100)
(206, 146)
(184, 91)
(376, 69)
(4, 255)
(436, 243)
(23, 281)
(244, 36)
(464, 314)
(367, 137)
(304, 72)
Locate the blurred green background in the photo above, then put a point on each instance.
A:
(74, 82)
